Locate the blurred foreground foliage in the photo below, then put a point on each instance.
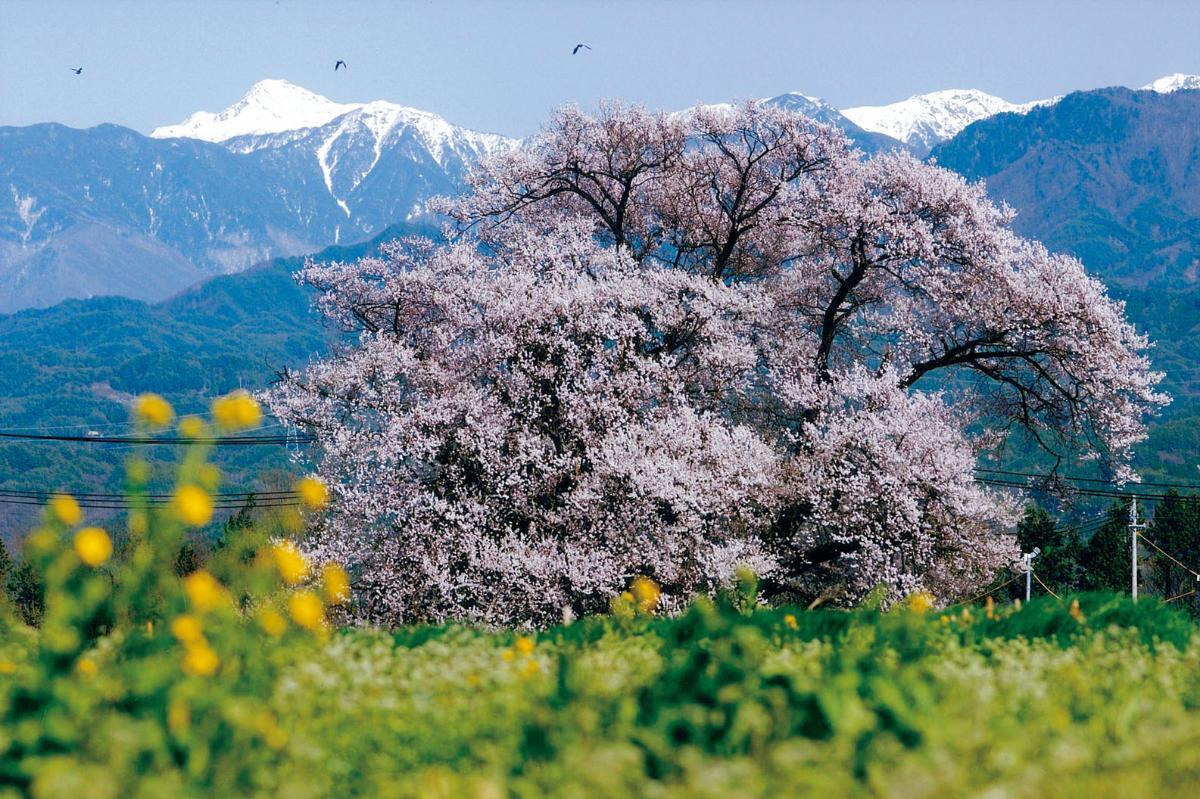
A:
(233, 680)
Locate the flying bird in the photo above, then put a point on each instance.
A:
(78, 71)
(339, 65)
(577, 47)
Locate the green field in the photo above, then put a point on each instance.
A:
(1034, 702)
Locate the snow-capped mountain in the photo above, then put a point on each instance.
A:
(924, 120)
(283, 171)
(1173, 83)
(271, 106)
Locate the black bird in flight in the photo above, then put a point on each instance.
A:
(78, 71)
(339, 65)
(576, 50)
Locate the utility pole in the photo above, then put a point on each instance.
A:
(1134, 529)
(1027, 562)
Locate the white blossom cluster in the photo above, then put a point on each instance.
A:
(668, 346)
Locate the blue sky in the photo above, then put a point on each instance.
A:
(500, 66)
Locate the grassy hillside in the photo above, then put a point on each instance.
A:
(74, 367)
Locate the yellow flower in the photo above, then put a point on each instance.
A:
(236, 411)
(291, 564)
(966, 614)
(307, 610)
(200, 661)
(272, 623)
(313, 492)
(945, 619)
(191, 427)
(66, 509)
(93, 546)
(790, 621)
(920, 602)
(508, 655)
(179, 717)
(646, 592)
(187, 629)
(203, 591)
(1076, 613)
(530, 668)
(337, 583)
(86, 667)
(989, 608)
(7, 667)
(194, 505)
(153, 411)
(524, 645)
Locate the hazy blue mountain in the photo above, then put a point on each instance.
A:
(821, 111)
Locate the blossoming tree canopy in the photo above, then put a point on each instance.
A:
(669, 345)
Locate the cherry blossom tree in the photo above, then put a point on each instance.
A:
(668, 345)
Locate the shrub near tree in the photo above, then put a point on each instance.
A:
(670, 345)
(1059, 563)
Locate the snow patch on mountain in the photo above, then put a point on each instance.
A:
(926, 119)
(271, 106)
(1173, 83)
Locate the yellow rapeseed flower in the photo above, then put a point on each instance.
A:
(179, 717)
(187, 629)
(790, 622)
(66, 509)
(86, 667)
(989, 608)
(153, 411)
(236, 411)
(337, 583)
(646, 592)
(1075, 611)
(307, 610)
(313, 492)
(200, 661)
(93, 546)
(7, 667)
(191, 427)
(920, 602)
(524, 645)
(530, 668)
(291, 564)
(194, 505)
(203, 591)
(272, 623)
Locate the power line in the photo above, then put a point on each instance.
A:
(88, 494)
(1073, 479)
(217, 441)
(280, 502)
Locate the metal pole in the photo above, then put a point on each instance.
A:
(1027, 561)
(1133, 534)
